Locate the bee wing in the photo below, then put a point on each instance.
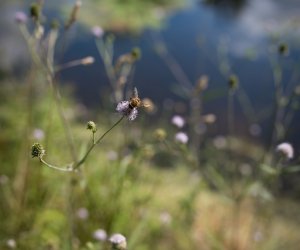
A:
(135, 93)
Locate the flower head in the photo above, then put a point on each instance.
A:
(178, 121)
(91, 126)
(20, 17)
(97, 31)
(100, 235)
(181, 137)
(82, 213)
(130, 108)
(37, 150)
(286, 150)
(118, 242)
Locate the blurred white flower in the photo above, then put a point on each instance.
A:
(181, 137)
(209, 118)
(3, 179)
(286, 150)
(20, 17)
(165, 218)
(118, 241)
(100, 234)
(178, 121)
(11, 243)
(82, 213)
(38, 134)
(97, 31)
(220, 142)
(258, 236)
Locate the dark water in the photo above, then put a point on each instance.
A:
(201, 38)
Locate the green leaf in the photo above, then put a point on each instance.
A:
(268, 169)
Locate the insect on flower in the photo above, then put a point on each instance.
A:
(130, 108)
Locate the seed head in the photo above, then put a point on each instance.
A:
(91, 126)
(37, 150)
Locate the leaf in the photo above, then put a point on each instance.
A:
(268, 169)
(291, 169)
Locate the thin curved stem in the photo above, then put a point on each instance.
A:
(68, 169)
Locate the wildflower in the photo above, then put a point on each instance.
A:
(20, 17)
(91, 126)
(38, 134)
(181, 137)
(130, 108)
(178, 121)
(165, 218)
(100, 235)
(11, 243)
(118, 242)
(97, 31)
(82, 213)
(286, 150)
(37, 150)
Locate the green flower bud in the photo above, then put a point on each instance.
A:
(91, 126)
(283, 49)
(160, 134)
(35, 11)
(233, 82)
(136, 53)
(37, 150)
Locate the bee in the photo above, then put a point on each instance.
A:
(130, 108)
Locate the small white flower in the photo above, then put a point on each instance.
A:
(82, 213)
(97, 31)
(181, 137)
(178, 121)
(220, 142)
(20, 17)
(118, 241)
(286, 149)
(100, 234)
(124, 108)
(112, 155)
(165, 218)
(11, 243)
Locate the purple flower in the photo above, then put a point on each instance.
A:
(178, 121)
(100, 235)
(20, 17)
(286, 150)
(126, 109)
(181, 137)
(97, 31)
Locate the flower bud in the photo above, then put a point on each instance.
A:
(283, 49)
(160, 134)
(91, 126)
(35, 11)
(136, 53)
(37, 150)
(233, 82)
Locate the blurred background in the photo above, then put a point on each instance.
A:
(223, 73)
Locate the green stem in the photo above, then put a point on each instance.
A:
(67, 169)
(79, 163)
